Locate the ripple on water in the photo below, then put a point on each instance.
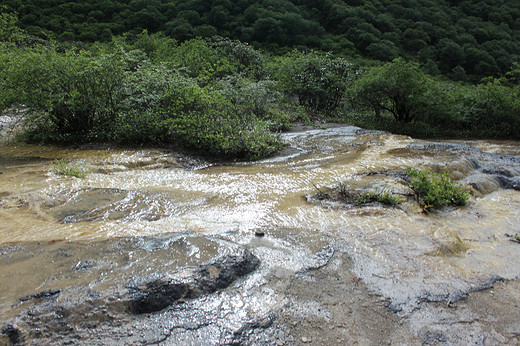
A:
(400, 253)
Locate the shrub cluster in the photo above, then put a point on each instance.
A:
(319, 81)
(423, 106)
(64, 167)
(221, 97)
(119, 92)
(436, 190)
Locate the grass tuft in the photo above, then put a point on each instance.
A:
(67, 168)
(436, 190)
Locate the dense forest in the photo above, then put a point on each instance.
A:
(465, 40)
(136, 76)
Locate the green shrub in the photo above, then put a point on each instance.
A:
(204, 120)
(247, 60)
(258, 99)
(202, 62)
(318, 80)
(436, 190)
(74, 94)
(157, 46)
(139, 127)
(399, 88)
(383, 197)
(10, 33)
(67, 168)
(343, 193)
(215, 58)
(492, 109)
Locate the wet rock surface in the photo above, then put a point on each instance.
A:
(253, 294)
(260, 265)
(121, 292)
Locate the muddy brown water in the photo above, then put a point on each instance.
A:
(400, 254)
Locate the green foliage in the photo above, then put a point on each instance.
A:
(436, 190)
(67, 168)
(115, 92)
(492, 108)
(10, 33)
(257, 99)
(203, 62)
(247, 60)
(399, 88)
(318, 80)
(157, 47)
(383, 197)
(216, 58)
(514, 237)
(206, 121)
(480, 36)
(74, 93)
(343, 193)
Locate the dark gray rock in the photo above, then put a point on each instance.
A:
(135, 279)
(12, 333)
(154, 294)
(41, 295)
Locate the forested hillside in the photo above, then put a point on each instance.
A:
(465, 40)
(133, 73)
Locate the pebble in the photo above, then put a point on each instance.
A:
(306, 339)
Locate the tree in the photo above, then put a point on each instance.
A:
(318, 80)
(399, 87)
(9, 31)
(384, 50)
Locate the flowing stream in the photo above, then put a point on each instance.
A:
(399, 253)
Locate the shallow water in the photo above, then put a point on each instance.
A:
(398, 252)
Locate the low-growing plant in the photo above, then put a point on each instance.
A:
(342, 192)
(388, 198)
(383, 197)
(67, 168)
(436, 190)
(514, 237)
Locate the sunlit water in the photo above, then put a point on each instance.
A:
(397, 251)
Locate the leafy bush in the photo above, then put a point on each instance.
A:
(202, 62)
(436, 190)
(10, 33)
(318, 80)
(157, 47)
(399, 88)
(255, 99)
(139, 127)
(388, 198)
(492, 109)
(205, 121)
(383, 197)
(247, 60)
(122, 96)
(343, 193)
(67, 168)
(75, 94)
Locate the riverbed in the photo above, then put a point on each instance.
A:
(327, 272)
